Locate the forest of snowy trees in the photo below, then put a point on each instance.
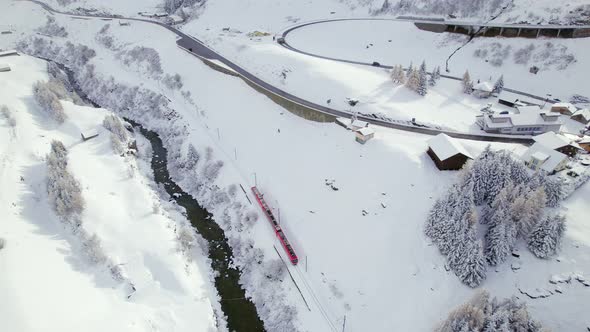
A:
(196, 171)
(485, 314)
(415, 79)
(513, 206)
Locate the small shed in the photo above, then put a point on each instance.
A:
(558, 143)
(582, 116)
(88, 134)
(541, 157)
(447, 153)
(4, 67)
(364, 134)
(483, 89)
(512, 99)
(564, 108)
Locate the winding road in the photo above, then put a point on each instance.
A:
(198, 49)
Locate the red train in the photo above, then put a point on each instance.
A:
(275, 224)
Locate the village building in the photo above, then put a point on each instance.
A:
(558, 143)
(447, 153)
(364, 134)
(540, 157)
(4, 67)
(582, 116)
(526, 123)
(585, 143)
(351, 124)
(564, 108)
(483, 89)
(8, 53)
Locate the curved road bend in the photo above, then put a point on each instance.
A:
(200, 50)
(290, 29)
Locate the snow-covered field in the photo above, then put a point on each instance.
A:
(46, 278)
(376, 268)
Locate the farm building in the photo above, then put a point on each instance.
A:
(483, 89)
(541, 157)
(558, 143)
(8, 53)
(364, 134)
(564, 108)
(447, 153)
(351, 124)
(582, 116)
(526, 123)
(4, 67)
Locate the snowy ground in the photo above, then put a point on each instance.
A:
(46, 278)
(379, 270)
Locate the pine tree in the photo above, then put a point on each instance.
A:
(500, 239)
(397, 75)
(432, 80)
(422, 88)
(413, 79)
(472, 269)
(467, 83)
(499, 85)
(192, 157)
(437, 73)
(545, 238)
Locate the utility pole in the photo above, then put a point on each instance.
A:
(344, 323)
(255, 181)
(236, 153)
(218, 134)
(305, 263)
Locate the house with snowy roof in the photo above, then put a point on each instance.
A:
(512, 99)
(558, 143)
(540, 157)
(582, 116)
(525, 123)
(584, 143)
(564, 108)
(364, 134)
(447, 153)
(4, 67)
(483, 89)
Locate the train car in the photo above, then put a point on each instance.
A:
(277, 228)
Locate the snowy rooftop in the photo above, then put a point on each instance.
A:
(585, 140)
(585, 113)
(552, 140)
(513, 97)
(528, 108)
(522, 119)
(365, 131)
(484, 86)
(359, 123)
(538, 151)
(4, 67)
(445, 147)
(569, 106)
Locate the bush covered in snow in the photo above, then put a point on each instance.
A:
(48, 100)
(143, 58)
(6, 113)
(512, 207)
(546, 56)
(172, 82)
(51, 28)
(65, 194)
(119, 136)
(484, 314)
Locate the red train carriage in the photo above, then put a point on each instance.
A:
(278, 230)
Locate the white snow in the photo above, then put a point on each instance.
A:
(47, 283)
(362, 251)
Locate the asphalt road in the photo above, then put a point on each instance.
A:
(200, 50)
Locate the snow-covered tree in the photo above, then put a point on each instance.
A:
(64, 192)
(49, 101)
(172, 82)
(472, 268)
(499, 85)
(436, 73)
(51, 28)
(545, 239)
(500, 239)
(422, 88)
(467, 83)
(6, 113)
(192, 157)
(398, 75)
(413, 79)
(432, 80)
